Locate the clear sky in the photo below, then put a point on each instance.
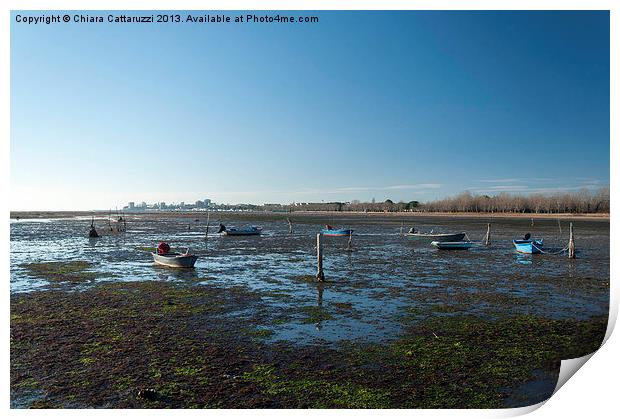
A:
(361, 105)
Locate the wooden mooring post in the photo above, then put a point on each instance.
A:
(207, 232)
(320, 276)
(487, 238)
(571, 243)
(402, 225)
(290, 225)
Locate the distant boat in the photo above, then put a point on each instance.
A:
(528, 246)
(438, 237)
(175, 260)
(245, 231)
(456, 245)
(330, 231)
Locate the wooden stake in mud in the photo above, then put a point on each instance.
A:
(532, 223)
(571, 243)
(320, 276)
(349, 247)
(290, 225)
(402, 225)
(92, 233)
(207, 232)
(487, 239)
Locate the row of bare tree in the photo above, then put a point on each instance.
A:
(583, 201)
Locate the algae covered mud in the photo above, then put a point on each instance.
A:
(397, 323)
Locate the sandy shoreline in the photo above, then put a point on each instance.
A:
(317, 214)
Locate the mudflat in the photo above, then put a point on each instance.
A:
(396, 324)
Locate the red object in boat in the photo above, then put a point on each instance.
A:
(328, 227)
(162, 248)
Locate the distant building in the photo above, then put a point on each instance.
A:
(132, 205)
(206, 202)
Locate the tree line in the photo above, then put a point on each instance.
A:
(583, 201)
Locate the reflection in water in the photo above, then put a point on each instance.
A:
(179, 274)
(524, 259)
(92, 241)
(350, 259)
(319, 298)
(319, 302)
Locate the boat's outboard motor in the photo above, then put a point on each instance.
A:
(527, 236)
(163, 248)
(222, 228)
(412, 230)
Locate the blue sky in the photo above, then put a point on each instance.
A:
(400, 105)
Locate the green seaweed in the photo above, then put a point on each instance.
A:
(259, 333)
(320, 393)
(314, 314)
(71, 271)
(99, 346)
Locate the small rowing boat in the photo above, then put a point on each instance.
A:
(175, 260)
(163, 256)
(330, 231)
(438, 237)
(528, 246)
(457, 245)
(245, 231)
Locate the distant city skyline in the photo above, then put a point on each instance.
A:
(361, 105)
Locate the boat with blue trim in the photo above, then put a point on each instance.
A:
(330, 231)
(528, 246)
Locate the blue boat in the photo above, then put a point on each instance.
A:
(330, 231)
(530, 246)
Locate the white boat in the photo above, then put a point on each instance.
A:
(439, 237)
(245, 231)
(175, 260)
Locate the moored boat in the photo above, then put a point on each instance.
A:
(456, 245)
(175, 260)
(245, 231)
(439, 237)
(163, 256)
(528, 246)
(330, 231)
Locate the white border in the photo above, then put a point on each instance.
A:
(592, 392)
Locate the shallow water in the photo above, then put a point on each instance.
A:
(369, 294)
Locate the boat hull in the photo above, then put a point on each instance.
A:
(460, 245)
(336, 233)
(241, 232)
(452, 237)
(529, 247)
(175, 260)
